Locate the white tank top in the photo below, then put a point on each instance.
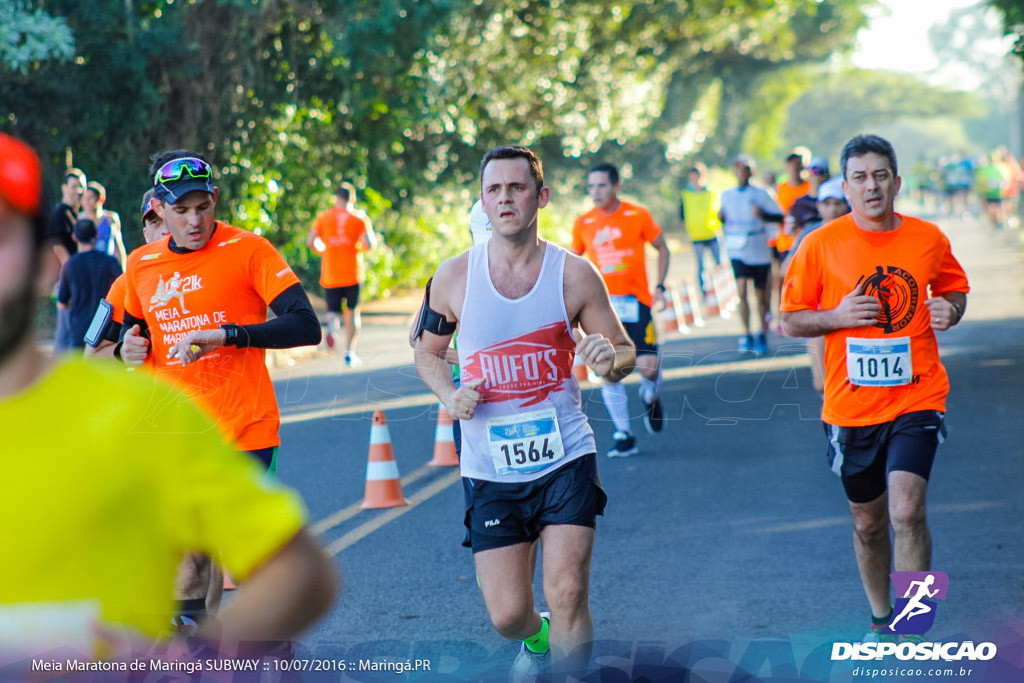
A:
(531, 420)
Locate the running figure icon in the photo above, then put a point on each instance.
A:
(915, 606)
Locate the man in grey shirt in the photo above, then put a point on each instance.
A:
(745, 213)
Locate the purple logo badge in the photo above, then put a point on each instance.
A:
(914, 612)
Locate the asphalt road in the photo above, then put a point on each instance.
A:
(725, 546)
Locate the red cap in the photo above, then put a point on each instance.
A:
(21, 175)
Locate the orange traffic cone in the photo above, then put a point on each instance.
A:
(671, 318)
(691, 309)
(582, 373)
(579, 369)
(725, 285)
(686, 318)
(383, 488)
(444, 440)
(711, 304)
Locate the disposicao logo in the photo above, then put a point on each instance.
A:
(913, 614)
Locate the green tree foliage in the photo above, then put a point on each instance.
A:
(1013, 21)
(841, 105)
(401, 97)
(29, 36)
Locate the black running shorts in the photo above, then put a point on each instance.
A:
(642, 332)
(267, 458)
(335, 295)
(759, 274)
(863, 457)
(499, 515)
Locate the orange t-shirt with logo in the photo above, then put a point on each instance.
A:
(615, 243)
(115, 297)
(344, 236)
(788, 194)
(901, 268)
(230, 280)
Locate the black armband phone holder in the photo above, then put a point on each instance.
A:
(97, 331)
(430, 320)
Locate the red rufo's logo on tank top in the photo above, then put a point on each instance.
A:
(896, 290)
(528, 368)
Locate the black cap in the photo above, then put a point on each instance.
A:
(174, 190)
(184, 174)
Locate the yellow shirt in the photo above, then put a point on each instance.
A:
(701, 212)
(108, 478)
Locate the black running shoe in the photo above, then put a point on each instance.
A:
(654, 417)
(625, 445)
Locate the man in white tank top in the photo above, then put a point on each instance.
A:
(528, 464)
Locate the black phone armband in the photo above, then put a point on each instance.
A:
(100, 324)
(430, 320)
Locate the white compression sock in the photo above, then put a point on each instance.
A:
(617, 403)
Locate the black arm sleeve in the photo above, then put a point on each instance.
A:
(296, 324)
(129, 321)
(772, 217)
(682, 212)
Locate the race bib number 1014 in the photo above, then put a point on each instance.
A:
(879, 362)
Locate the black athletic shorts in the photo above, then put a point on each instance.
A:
(642, 332)
(267, 458)
(499, 515)
(863, 457)
(759, 274)
(335, 295)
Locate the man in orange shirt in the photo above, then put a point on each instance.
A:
(339, 235)
(196, 310)
(790, 190)
(612, 235)
(863, 281)
(102, 490)
(787, 193)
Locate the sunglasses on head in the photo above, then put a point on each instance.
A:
(176, 168)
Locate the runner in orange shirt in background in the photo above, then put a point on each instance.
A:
(787, 193)
(612, 235)
(879, 285)
(339, 235)
(196, 305)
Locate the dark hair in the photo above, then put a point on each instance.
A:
(698, 168)
(74, 173)
(85, 231)
(161, 158)
(795, 155)
(605, 167)
(346, 191)
(515, 152)
(867, 144)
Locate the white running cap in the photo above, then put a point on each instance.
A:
(479, 224)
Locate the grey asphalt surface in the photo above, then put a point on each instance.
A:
(725, 543)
